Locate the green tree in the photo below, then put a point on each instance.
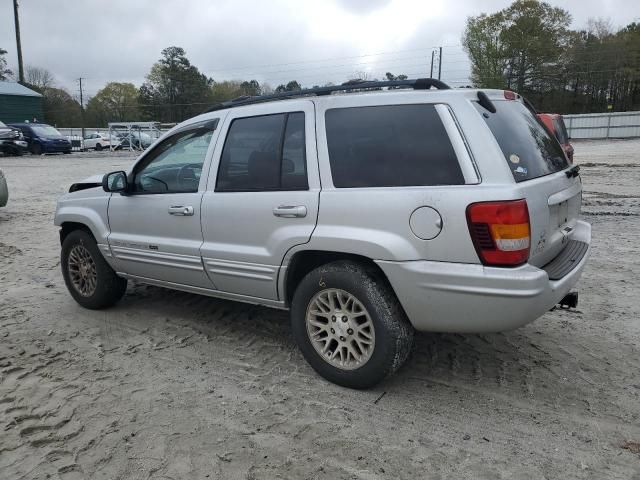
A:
(116, 102)
(230, 89)
(4, 71)
(517, 47)
(391, 77)
(251, 88)
(293, 85)
(175, 90)
(60, 108)
(603, 69)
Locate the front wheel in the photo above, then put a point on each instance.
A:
(36, 149)
(98, 147)
(89, 278)
(349, 324)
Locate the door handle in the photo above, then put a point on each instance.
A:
(181, 210)
(290, 211)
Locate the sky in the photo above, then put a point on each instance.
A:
(273, 41)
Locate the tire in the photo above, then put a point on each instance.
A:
(392, 333)
(98, 147)
(67, 152)
(36, 149)
(107, 289)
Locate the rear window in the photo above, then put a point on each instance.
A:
(390, 146)
(529, 149)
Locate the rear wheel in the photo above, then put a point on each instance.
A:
(89, 278)
(349, 324)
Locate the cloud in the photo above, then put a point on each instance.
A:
(362, 6)
(276, 41)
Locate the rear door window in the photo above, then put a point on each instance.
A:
(264, 153)
(390, 146)
(529, 149)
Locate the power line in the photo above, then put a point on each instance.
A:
(331, 59)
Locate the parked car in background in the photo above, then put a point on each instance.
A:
(4, 190)
(98, 141)
(42, 138)
(11, 140)
(137, 140)
(555, 123)
(367, 215)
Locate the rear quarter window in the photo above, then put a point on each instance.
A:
(528, 147)
(390, 146)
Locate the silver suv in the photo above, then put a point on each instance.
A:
(366, 214)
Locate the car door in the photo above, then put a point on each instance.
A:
(155, 225)
(89, 141)
(27, 134)
(262, 196)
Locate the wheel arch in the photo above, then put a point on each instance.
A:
(67, 227)
(304, 261)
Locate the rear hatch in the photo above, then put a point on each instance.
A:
(541, 171)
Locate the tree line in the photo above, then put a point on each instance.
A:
(530, 48)
(174, 90)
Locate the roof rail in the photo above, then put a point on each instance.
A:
(417, 84)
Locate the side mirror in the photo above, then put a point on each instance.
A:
(115, 182)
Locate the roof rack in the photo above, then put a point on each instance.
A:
(417, 84)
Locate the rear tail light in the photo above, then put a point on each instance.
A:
(500, 232)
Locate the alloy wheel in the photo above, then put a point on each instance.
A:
(340, 329)
(82, 271)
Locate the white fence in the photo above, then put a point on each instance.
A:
(77, 131)
(588, 125)
(603, 125)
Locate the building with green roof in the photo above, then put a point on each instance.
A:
(19, 103)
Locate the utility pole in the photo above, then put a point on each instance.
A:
(433, 52)
(18, 43)
(440, 64)
(81, 108)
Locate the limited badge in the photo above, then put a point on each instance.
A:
(513, 158)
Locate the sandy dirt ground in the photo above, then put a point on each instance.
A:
(169, 385)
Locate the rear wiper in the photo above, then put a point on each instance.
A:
(573, 171)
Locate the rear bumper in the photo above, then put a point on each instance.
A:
(471, 298)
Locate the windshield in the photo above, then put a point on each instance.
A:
(46, 130)
(526, 144)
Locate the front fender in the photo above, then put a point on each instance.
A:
(87, 207)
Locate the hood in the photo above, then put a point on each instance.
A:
(93, 181)
(9, 133)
